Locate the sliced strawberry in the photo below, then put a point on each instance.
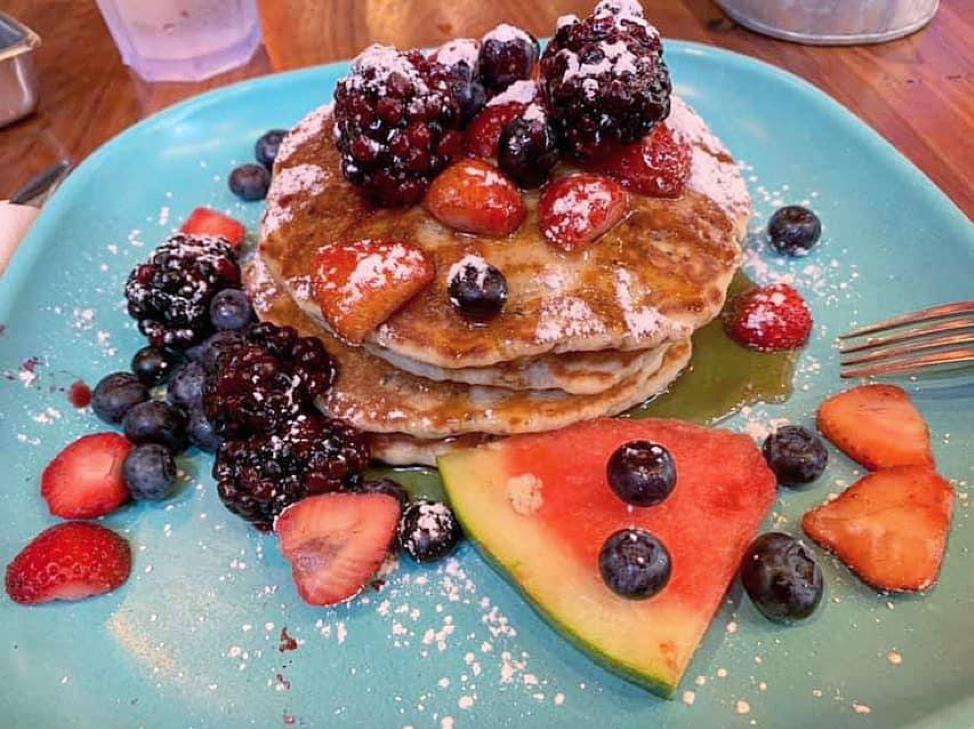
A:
(484, 132)
(475, 197)
(360, 284)
(658, 166)
(207, 221)
(69, 562)
(85, 480)
(769, 318)
(890, 527)
(335, 542)
(578, 210)
(878, 426)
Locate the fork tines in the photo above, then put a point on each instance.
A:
(941, 335)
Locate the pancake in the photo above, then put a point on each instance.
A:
(655, 277)
(578, 373)
(396, 449)
(376, 397)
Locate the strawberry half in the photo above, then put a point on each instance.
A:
(473, 196)
(484, 133)
(769, 318)
(336, 542)
(890, 527)
(878, 426)
(360, 284)
(85, 480)
(207, 221)
(658, 166)
(576, 211)
(69, 562)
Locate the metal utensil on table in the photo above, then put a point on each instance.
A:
(935, 337)
(41, 186)
(18, 77)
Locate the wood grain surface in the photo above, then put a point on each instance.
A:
(918, 92)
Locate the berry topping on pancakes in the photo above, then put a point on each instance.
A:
(604, 78)
(576, 211)
(477, 289)
(527, 149)
(484, 133)
(475, 197)
(360, 284)
(397, 118)
(507, 55)
(770, 318)
(658, 166)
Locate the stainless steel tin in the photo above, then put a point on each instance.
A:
(832, 22)
(18, 77)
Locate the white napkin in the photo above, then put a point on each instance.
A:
(15, 220)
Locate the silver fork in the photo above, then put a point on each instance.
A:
(941, 335)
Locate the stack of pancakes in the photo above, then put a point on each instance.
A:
(584, 334)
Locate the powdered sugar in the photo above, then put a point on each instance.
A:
(459, 50)
(312, 125)
(480, 267)
(374, 67)
(374, 269)
(304, 179)
(519, 92)
(643, 321)
(505, 33)
(567, 316)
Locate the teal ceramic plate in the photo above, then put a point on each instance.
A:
(193, 639)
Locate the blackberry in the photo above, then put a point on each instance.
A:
(170, 293)
(397, 121)
(507, 54)
(257, 478)
(527, 150)
(259, 387)
(604, 78)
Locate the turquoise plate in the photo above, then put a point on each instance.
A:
(193, 639)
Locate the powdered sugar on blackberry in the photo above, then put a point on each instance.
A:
(309, 127)
(374, 67)
(535, 112)
(519, 92)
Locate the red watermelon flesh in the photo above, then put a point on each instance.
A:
(540, 507)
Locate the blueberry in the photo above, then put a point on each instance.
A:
(250, 182)
(477, 290)
(507, 54)
(156, 422)
(266, 148)
(153, 365)
(231, 309)
(527, 151)
(641, 473)
(201, 431)
(428, 531)
(150, 472)
(185, 387)
(781, 577)
(634, 564)
(116, 394)
(794, 230)
(207, 352)
(472, 99)
(795, 454)
(385, 486)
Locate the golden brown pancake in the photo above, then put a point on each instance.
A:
(651, 280)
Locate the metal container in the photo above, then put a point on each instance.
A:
(18, 77)
(832, 22)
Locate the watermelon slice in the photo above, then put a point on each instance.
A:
(539, 508)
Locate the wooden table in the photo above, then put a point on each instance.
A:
(917, 92)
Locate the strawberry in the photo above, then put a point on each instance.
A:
(335, 542)
(578, 210)
(769, 318)
(890, 527)
(360, 284)
(658, 166)
(85, 479)
(69, 562)
(878, 426)
(484, 132)
(475, 197)
(207, 221)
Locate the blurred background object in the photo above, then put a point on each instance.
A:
(18, 77)
(182, 40)
(833, 22)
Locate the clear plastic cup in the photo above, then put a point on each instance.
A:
(182, 40)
